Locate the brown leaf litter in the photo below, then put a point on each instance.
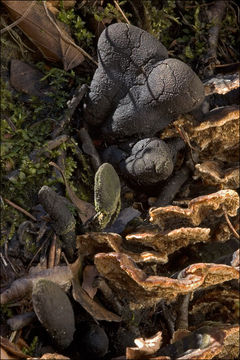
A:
(46, 32)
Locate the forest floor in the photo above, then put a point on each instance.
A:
(183, 303)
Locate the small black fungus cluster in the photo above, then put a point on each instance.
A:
(136, 92)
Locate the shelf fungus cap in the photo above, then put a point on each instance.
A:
(137, 90)
(54, 311)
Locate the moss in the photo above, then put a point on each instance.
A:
(26, 127)
(82, 36)
(31, 350)
(110, 12)
(161, 19)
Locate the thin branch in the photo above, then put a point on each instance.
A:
(121, 12)
(3, 259)
(19, 208)
(52, 252)
(230, 224)
(15, 23)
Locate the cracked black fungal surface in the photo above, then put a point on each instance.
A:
(137, 91)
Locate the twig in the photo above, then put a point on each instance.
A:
(6, 256)
(3, 259)
(72, 105)
(186, 139)
(65, 38)
(24, 15)
(11, 124)
(121, 12)
(19, 208)
(89, 148)
(65, 258)
(52, 252)
(230, 224)
(172, 187)
(48, 146)
(58, 254)
(182, 317)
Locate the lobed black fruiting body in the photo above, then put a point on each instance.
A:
(137, 91)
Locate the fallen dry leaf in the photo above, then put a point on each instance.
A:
(46, 32)
(179, 334)
(199, 209)
(145, 347)
(96, 310)
(142, 290)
